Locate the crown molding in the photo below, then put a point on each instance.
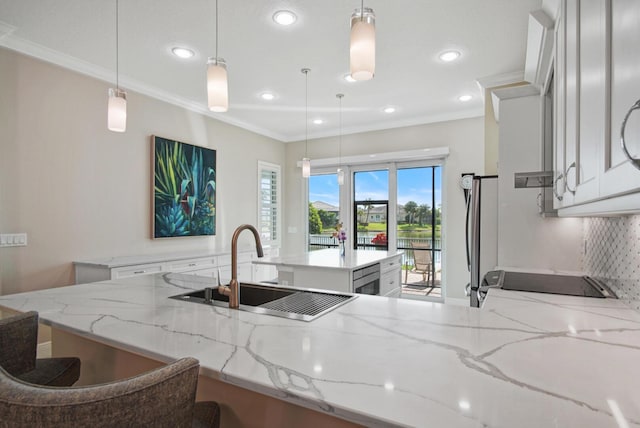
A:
(500, 80)
(43, 53)
(424, 120)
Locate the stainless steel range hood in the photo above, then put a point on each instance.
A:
(526, 180)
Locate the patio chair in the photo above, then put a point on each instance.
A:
(422, 261)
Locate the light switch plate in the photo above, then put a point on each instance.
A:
(13, 240)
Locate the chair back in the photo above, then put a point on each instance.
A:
(18, 343)
(421, 255)
(164, 397)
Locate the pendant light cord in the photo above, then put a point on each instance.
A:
(306, 110)
(361, 10)
(340, 130)
(216, 31)
(117, 49)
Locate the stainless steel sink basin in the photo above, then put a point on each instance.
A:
(286, 302)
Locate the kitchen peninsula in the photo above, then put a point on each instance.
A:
(328, 269)
(524, 360)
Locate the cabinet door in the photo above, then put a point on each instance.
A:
(572, 106)
(620, 175)
(592, 98)
(559, 90)
(390, 283)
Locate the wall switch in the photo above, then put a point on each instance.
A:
(13, 240)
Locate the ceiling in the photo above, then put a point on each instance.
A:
(263, 56)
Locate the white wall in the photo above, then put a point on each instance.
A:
(526, 240)
(465, 141)
(80, 191)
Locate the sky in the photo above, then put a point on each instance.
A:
(414, 184)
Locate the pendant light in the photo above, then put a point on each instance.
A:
(217, 87)
(306, 162)
(362, 50)
(117, 107)
(340, 171)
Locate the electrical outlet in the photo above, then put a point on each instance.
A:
(13, 240)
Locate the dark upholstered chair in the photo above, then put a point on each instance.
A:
(18, 343)
(164, 397)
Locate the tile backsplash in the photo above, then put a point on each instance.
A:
(612, 255)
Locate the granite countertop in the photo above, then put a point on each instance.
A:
(330, 258)
(523, 360)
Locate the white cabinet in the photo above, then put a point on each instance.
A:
(123, 267)
(391, 277)
(597, 80)
(620, 175)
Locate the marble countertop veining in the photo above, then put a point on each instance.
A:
(330, 258)
(523, 360)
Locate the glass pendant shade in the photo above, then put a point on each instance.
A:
(340, 176)
(362, 50)
(117, 110)
(217, 88)
(306, 167)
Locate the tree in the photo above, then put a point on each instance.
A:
(329, 219)
(423, 212)
(410, 208)
(315, 224)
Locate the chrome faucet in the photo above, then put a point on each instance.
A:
(233, 289)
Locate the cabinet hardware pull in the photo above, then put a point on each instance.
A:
(634, 161)
(566, 180)
(555, 186)
(192, 264)
(139, 271)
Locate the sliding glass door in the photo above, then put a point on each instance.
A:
(371, 209)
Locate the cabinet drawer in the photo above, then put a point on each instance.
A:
(390, 264)
(136, 270)
(390, 283)
(191, 264)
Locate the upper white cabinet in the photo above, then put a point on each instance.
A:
(597, 80)
(620, 175)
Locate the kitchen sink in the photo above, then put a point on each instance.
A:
(286, 302)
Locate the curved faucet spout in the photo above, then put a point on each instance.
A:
(233, 289)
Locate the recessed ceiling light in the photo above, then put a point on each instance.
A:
(284, 17)
(449, 56)
(183, 53)
(268, 96)
(349, 79)
(318, 121)
(464, 404)
(464, 98)
(389, 109)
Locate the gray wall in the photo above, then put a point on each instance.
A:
(464, 138)
(80, 191)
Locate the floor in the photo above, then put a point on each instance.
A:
(416, 287)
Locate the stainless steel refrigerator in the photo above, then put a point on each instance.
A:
(481, 230)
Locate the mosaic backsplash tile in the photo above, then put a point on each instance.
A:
(612, 255)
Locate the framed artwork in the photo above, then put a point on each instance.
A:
(184, 189)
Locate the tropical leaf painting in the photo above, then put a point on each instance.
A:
(184, 189)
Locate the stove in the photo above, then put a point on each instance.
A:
(569, 285)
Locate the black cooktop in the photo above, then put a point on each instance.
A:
(554, 284)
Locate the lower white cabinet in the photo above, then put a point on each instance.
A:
(391, 277)
(123, 267)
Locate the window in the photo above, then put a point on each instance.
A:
(269, 223)
(324, 210)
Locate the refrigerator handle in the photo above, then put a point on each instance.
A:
(466, 230)
(475, 236)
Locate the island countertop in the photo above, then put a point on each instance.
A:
(330, 258)
(523, 360)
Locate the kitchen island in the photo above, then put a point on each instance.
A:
(328, 269)
(523, 360)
